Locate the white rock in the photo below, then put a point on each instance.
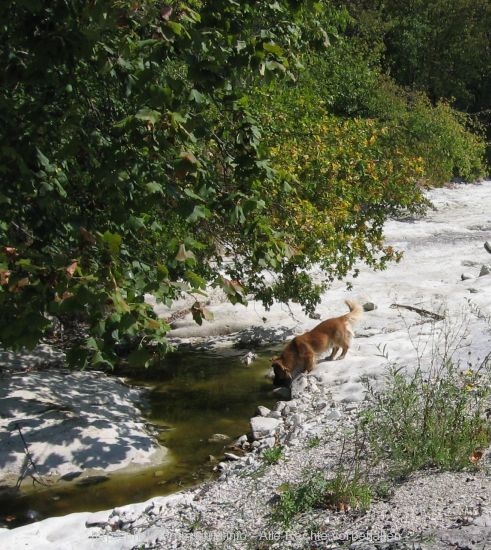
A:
(297, 419)
(298, 386)
(267, 443)
(314, 431)
(263, 426)
(242, 440)
(334, 414)
(262, 411)
(483, 521)
(231, 456)
(220, 467)
(280, 406)
(114, 521)
(97, 519)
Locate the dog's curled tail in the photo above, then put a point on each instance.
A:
(355, 311)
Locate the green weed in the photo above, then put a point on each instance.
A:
(273, 455)
(429, 420)
(345, 491)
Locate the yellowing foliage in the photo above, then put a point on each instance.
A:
(344, 179)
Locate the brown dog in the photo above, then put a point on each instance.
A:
(299, 354)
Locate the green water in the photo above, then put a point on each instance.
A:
(191, 396)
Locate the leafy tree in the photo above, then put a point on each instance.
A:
(341, 178)
(439, 47)
(130, 163)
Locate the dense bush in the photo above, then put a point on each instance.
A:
(344, 178)
(448, 142)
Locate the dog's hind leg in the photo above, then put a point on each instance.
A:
(334, 351)
(345, 351)
(345, 342)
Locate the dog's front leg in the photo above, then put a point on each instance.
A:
(306, 356)
(309, 363)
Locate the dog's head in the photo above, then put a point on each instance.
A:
(282, 376)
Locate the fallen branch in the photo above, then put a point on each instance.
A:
(425, 312)
(29, 463)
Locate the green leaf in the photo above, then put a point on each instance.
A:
(238, 215)
(195, 280)
(273, 48)
(113, 242)
(199, 212)
(177, 119)
(119, 303)
(148, 115)
(43, 160)
(197, 97)
(154, 187)
(176, 28)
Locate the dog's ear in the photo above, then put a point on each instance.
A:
(280, 369)
(277, 363)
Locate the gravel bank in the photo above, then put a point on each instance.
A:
(430, 510)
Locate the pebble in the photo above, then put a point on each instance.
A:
(231, 456)
(334, 414)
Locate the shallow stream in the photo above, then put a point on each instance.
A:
(191, 396)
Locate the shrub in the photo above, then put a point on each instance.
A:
(273, 455)
(339, 181)
(448, 142)
(430, 420)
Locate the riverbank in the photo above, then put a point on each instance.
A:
(429, 510)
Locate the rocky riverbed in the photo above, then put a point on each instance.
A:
(444, 275)
(429, 510)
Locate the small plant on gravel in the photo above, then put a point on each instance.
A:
(299, 498)
(433, 419)
(313, 442)
(273, 455)
(347, 490)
